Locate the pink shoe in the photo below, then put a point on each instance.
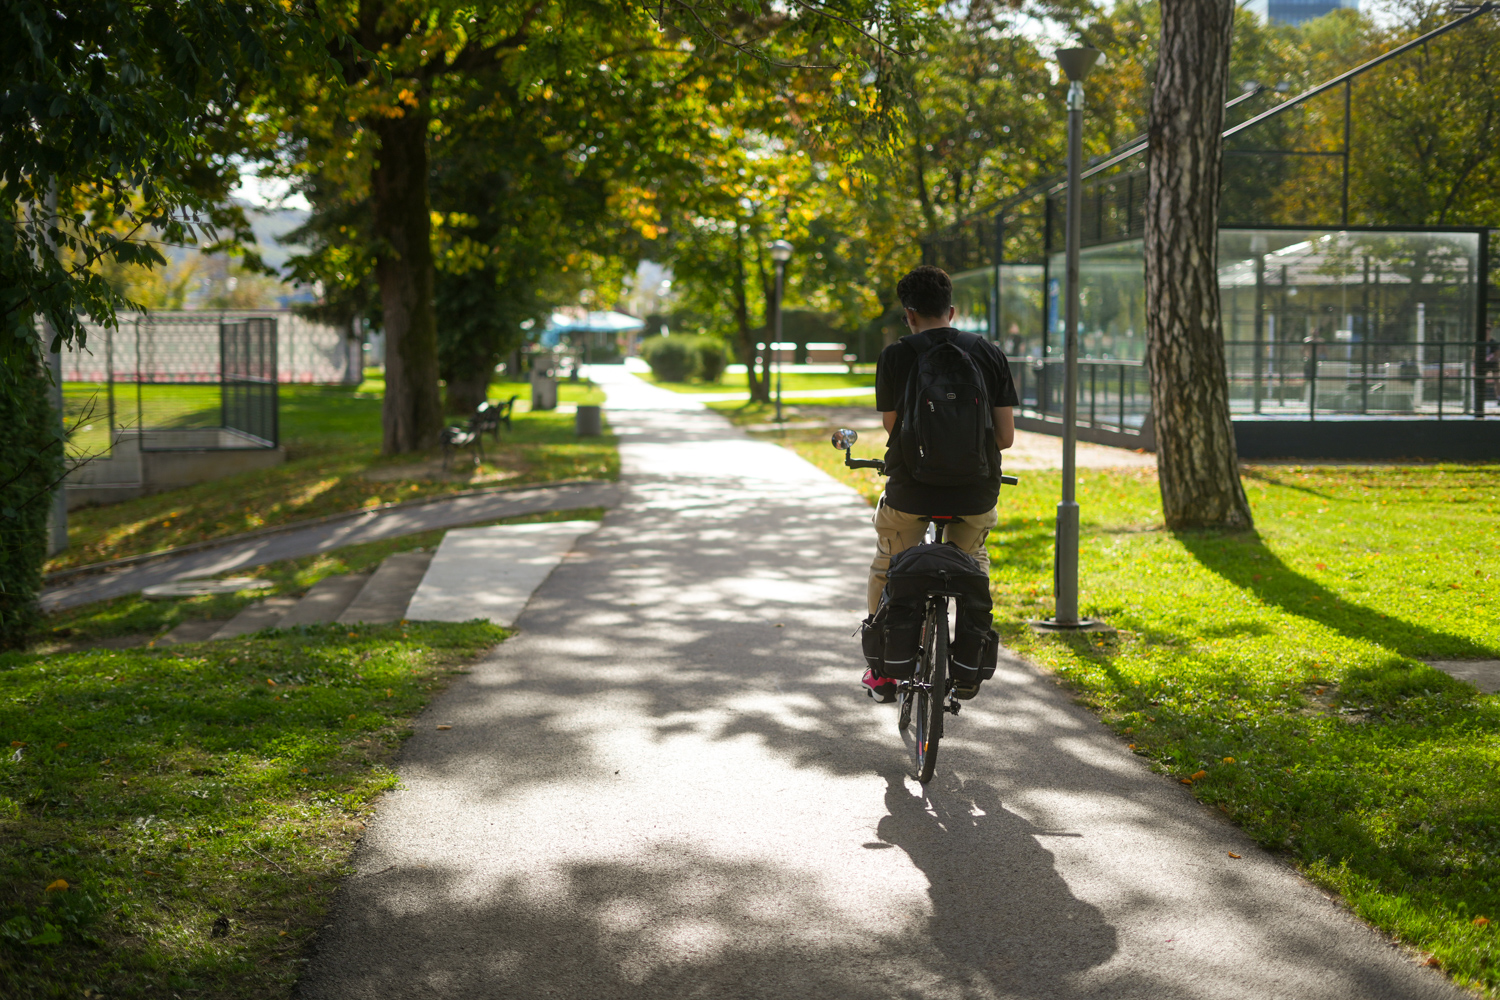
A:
(882, 689)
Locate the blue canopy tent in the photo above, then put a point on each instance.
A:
(596, 333)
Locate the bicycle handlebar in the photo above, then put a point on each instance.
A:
(878, 465)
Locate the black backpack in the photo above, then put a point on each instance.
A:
(947, 426)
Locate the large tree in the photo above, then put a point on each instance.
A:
(408, 57)
(1197, 461)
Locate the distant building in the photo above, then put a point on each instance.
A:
(1296, 11)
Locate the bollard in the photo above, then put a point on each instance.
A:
(588, 423)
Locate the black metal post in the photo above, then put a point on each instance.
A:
(1260, 329)
(999, 259)
(1482, 322)
(776, 343)
(1344, 212)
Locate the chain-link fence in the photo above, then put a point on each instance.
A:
(172, 382)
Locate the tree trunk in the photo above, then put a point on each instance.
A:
(1196, 458)
(760, 389)
(412, 416)
(466, 392)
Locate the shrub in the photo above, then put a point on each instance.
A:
(712, 358)
(673, 358)
(30, 461)
(679, 357)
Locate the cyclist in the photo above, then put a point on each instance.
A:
(926, 295)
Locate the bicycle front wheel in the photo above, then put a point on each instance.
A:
(931, 691)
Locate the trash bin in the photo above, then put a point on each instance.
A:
(543, 392)
(588, 423)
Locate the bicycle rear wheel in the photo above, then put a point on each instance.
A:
(932, 690)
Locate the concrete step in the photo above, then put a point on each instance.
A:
(388, 591)
(328, 599)
(261, 614)
(492, 572)
(194, 631)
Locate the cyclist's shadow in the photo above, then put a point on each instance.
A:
(999, 907)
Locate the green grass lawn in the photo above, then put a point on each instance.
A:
(1281, 673)
(175, 821)
(789, 381)
(332, 437)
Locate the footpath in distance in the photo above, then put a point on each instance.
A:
(669, 784)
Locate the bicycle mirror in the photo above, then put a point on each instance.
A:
(844, 438)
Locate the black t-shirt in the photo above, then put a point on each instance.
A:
(892, 373)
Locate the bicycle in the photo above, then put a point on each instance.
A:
(930, 693)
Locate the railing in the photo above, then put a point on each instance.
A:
(1114, 395)
(1356, 378)
(1289, 381)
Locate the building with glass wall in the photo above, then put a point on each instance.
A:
(1376, 333)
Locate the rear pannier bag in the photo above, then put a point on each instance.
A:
(942, 568)
(972, 654)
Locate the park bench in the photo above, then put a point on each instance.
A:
(487, 418)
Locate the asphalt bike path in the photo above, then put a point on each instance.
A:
(670, 785)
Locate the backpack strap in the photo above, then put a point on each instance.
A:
(918, 342)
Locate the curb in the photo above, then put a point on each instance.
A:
(100, 567)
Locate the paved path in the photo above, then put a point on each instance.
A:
(372, 527)
(669, 786)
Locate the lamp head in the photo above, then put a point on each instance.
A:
(781, 251)
(1078, 63)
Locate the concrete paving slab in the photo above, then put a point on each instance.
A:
(385, 595)
(491, 572)
(669, 786)
(1483, 674)
(194, 631)
(328, 598)
(356, 529)
(254, 617)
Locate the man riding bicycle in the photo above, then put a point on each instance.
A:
(967, 485)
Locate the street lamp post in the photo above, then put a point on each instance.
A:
(1076, 65)
(781, 252)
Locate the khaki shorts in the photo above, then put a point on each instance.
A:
(896, 531)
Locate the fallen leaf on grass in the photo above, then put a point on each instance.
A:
(1198, 774)
(270, 682)
(1187, 781)
(59, 746)
(1432, 960)
(1481, 921)
(150, 872)
(17, 743)
(1229, 760)
(1232, 855)
(61, 885)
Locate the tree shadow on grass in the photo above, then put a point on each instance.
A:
(1246, 562)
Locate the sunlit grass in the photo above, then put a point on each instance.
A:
(332, 436)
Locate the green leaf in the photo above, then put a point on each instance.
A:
(50, 935)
